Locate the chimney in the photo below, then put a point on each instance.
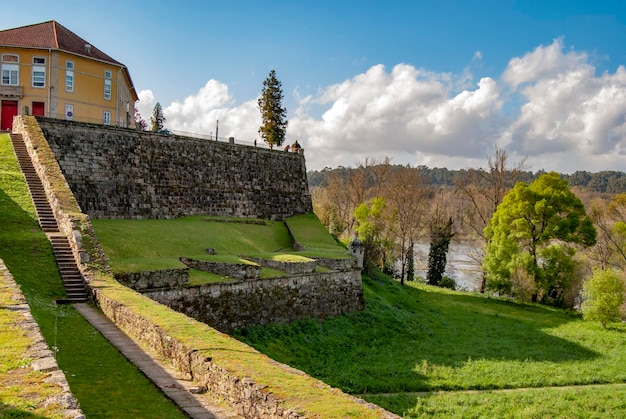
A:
(88, 48)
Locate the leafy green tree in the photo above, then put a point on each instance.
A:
(603, 296)
(273, 114)
(440, 236)
(157, 120)
(371, 220)
(531, 235)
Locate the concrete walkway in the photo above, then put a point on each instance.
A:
(167, 379)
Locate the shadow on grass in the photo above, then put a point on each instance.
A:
(421, 339)
(9, 412)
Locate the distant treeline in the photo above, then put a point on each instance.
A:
(607, 181)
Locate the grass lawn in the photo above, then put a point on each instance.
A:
(425, 339)
(135, 245)
(104, 382)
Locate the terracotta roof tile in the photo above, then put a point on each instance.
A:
(52, 35)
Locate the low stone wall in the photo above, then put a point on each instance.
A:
(289, 267)
(247, 399)
(146, 280)
(234, 305)
(231, 270)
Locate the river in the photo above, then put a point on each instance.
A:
(461, 267)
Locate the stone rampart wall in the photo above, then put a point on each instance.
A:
(246, 397)
(122, 173)
(233, 305)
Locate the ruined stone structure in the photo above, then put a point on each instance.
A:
(122, 173)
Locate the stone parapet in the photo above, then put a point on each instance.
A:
(146, 280)
(346, 264)
(231, 270)
(288, 267)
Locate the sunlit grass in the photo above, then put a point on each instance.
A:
(418, 338)
(135, 245)
(608, 401)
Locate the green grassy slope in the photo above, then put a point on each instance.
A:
(103, 381)
(423, 339)
(133, 245)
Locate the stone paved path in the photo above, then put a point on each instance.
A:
(167, 379)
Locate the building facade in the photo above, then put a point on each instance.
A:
(47, 70)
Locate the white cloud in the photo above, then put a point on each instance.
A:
(543, 63)
(200, 113)
(399, 114)
(572, 119)
(146, 104)
(548, 105)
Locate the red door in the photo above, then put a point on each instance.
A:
(39, 109)
(8, 111)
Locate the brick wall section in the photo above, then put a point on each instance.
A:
(122, 173)
(233, 305)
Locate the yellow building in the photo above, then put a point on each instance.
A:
(47, 70)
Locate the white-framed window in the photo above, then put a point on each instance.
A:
(107, 84)
(107, 89)
(69, 76)
(39, 72)
(10, 70)
(69, 111)
(106, 119)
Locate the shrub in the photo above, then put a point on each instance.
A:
(603, 296)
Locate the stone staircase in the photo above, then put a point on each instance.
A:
(70, 274)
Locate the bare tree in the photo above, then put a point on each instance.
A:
(610, 222)
(406, 195)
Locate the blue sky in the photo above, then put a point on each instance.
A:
(423, 82)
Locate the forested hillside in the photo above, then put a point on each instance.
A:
(578, 218)
(607, 181)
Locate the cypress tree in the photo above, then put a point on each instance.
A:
(273, 114)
